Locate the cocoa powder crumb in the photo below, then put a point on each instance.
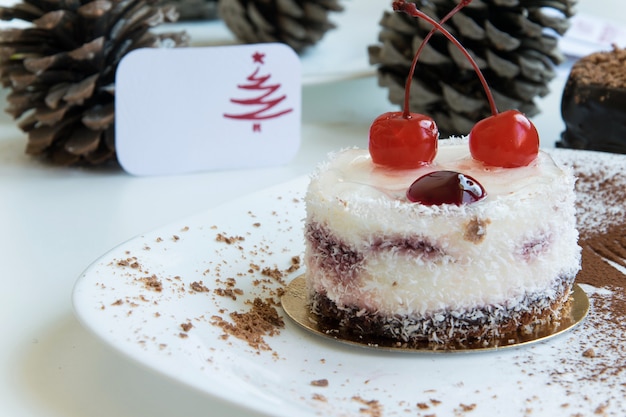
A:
(467, 407)
(130, 262)
(198, 286)
(295, 265)
(320, 383)
(600, 409)
(229, 239)
(589, 353)
(228, 292)
(372, 408)
(274, 273)
(152, 283)
(186, 326)
(319, 397)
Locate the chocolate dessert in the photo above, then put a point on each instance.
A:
(594, 103)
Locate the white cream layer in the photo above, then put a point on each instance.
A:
(529, 233)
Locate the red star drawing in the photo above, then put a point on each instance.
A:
(257, 57)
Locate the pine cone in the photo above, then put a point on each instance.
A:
(61, 71)
(297, 23)
(507, 38)
(193, 9)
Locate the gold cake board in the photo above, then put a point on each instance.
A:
(294, 302)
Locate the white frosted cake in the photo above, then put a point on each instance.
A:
(381, 265)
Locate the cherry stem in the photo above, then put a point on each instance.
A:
(411, 10)
(409, 79)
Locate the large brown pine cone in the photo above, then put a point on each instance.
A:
(513, 41)
(297, 23)
(61, 70)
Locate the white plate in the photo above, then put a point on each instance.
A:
(340, 55)
(114, 302)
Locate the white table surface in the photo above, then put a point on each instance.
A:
(55, 221)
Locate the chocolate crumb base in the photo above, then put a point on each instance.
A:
(488, 327)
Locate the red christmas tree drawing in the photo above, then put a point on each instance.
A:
(263, 104)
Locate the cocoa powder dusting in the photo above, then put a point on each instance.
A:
(597, 250)
(601, 214)
(261, 320)
(601, 211)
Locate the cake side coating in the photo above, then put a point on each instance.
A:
(372, 253)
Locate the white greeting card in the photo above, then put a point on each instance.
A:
(196, 109)
(588, 34)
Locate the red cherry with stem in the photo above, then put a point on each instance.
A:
(411, 10)
(514, 129)
(506, 140)
(430, 34)
(405, 140)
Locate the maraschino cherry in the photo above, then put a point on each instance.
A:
(507, 139)
(404, 140)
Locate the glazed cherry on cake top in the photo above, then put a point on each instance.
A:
(506, 139)
(405, 140)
